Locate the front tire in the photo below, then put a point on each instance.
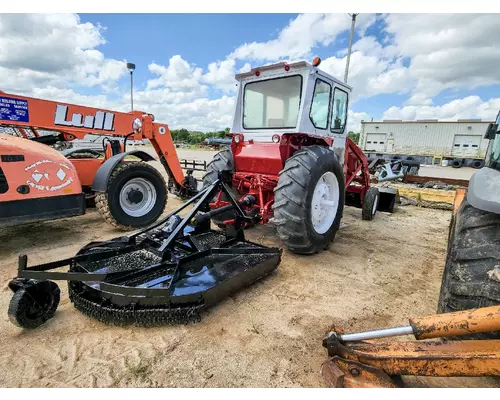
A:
(309, 200)
(135, 197)
(473, 251)
(222, 161)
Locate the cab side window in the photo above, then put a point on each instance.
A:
(339, 111)
(320, 104)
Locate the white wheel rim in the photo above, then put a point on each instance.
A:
(325, 202)
(134, 207)
(375, 205)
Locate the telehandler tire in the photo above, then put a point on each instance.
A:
(309, 200)
(473, 255)
(135, 198)
(222, 161)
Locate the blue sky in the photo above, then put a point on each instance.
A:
(403, 66)
(199, 38)
(203, 38)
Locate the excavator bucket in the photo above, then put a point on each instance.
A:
(166, 274)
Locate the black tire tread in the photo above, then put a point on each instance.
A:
(366, 210)
(289, 210)
(223, 160)
(473, 250)
(19, 302)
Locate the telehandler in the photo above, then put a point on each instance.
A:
(39, 183)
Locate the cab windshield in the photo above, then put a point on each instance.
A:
(272, 103)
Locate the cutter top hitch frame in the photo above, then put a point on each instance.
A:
(191, 265)
(357, 361)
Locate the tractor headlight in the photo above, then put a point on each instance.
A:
(137, 125)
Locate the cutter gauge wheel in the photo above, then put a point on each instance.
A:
(33, 305)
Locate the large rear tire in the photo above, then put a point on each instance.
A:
(473, 251)
(309, 200)
(222, 161)
(136, 196)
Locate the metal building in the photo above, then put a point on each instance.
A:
(428, 141)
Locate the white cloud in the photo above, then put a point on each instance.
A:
(201, 114)
(446, 51)
(369, 74)
(53, 49)
(246, 68)
(221, 75)
(354, 120)
(300, 36)
(467, 107)
(179, 75)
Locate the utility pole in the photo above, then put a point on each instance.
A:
(350, 46)
(131, 68)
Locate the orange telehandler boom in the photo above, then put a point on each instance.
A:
(129, 194)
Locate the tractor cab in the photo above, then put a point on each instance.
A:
(291, 98)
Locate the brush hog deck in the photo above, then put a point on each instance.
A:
(166, 274)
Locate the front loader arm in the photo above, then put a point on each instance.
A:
(356, 361)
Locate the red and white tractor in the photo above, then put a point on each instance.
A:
(290, 161)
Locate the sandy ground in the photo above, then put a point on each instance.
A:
(376, 274)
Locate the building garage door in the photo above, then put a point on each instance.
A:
(375, 142)
(466, 145)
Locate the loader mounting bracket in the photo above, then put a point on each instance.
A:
(381, 364)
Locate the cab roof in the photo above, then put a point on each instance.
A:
(295, 65)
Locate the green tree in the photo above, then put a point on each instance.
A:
(354, 136)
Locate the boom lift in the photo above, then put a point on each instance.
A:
(39, 183)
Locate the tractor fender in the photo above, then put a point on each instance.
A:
(102, 175)
(484, 190)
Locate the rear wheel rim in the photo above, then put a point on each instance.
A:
(325, 202)
(130, 204)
